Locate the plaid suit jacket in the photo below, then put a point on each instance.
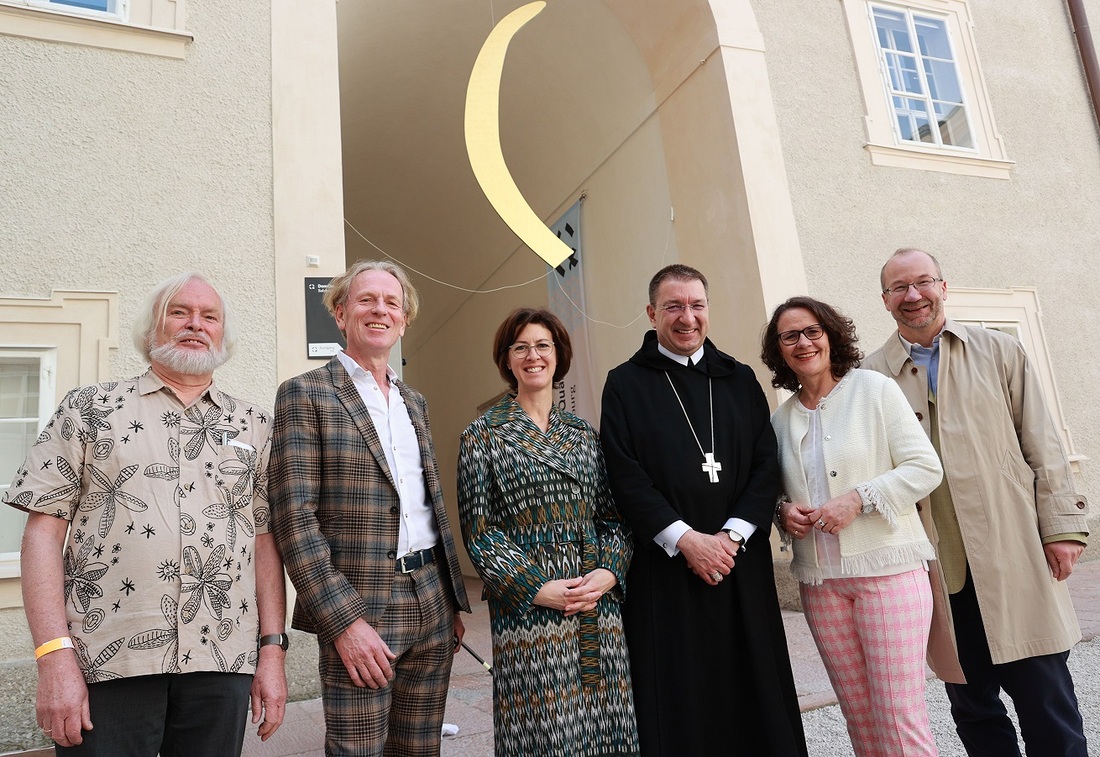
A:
(334, 507)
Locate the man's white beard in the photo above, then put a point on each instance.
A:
(189, 362)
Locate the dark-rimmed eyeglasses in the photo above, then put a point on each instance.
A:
(921, 285)
(520, 349)
(811, 332)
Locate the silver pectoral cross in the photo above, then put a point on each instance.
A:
(711, 467)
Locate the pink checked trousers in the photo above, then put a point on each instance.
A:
(872, 634)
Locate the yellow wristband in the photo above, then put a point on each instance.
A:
(52, 646)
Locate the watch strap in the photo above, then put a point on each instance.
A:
(280, 639)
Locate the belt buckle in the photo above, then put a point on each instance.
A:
(412, 561)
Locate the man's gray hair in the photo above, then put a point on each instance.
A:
(906, 251)
(338, 288)
(154, 308)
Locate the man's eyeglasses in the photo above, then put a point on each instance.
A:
(811, 332)
(520, 349)
(921, 285)
(679, 308)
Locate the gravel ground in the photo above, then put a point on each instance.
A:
(826, 735)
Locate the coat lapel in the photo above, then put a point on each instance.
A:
(360, 416)
(515, 429)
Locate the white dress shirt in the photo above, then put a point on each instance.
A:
(668, 537)
(391, 420)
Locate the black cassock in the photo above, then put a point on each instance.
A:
(709, 664)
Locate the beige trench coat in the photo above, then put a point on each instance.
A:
(1011, 485)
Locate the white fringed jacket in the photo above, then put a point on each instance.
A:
(874, 444)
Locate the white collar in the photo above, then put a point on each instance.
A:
(353, 368)
(694, 358)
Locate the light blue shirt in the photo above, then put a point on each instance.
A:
(929, 357)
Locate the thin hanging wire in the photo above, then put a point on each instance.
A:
(437, 281)
(578, 308)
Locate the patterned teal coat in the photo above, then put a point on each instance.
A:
(536, 507)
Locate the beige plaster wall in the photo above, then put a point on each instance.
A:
(1038, 228)
(123, 168)
(120, 169)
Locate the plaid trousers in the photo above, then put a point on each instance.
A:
(405, 717)
(872, 634)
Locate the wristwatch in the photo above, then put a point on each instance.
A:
(276, 638)
(735, 537)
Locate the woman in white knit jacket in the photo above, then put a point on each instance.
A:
(855, 462)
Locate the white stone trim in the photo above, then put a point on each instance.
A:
(162, 33)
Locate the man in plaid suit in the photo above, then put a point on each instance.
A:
(357, 511)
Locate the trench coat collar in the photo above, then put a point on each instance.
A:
(348, 395)
(715, 363)
(896, 354)
(514, 428)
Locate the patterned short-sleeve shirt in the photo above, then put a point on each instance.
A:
(164, 504)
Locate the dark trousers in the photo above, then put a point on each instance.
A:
(174, 714)
(1041, 689)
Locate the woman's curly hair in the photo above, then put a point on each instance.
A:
(844, 354)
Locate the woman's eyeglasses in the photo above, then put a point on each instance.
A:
(520, 349)
(811, 332)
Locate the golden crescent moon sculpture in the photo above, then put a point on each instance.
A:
(483, 141)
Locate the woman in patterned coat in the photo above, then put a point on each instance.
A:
(539, 524)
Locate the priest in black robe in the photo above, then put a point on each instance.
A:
(691, 459)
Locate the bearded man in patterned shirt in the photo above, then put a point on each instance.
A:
(153, 591)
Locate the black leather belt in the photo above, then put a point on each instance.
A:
(414, 560)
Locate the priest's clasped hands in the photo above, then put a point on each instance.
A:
(710, 556)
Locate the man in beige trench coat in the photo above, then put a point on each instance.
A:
(1006, 521)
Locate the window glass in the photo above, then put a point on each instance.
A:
(930, 108)
(94, 5)
(20, 408)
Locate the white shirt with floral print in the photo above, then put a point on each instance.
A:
(164, 504)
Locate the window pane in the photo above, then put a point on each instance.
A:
(943, 84)
(914, 123)
(907, 73)
(15, 440)
(925, 86)
(932, 37)
(19, 424)
(95, 5)
(11, 528)
(893, 33)
(954, 128)
(19, 388)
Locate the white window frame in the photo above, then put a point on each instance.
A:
(117, 10)
(1017, 309)
(47, 390)
(150, 27)
(988, 157)
(83, 327)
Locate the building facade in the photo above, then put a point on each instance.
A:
(779, 150)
